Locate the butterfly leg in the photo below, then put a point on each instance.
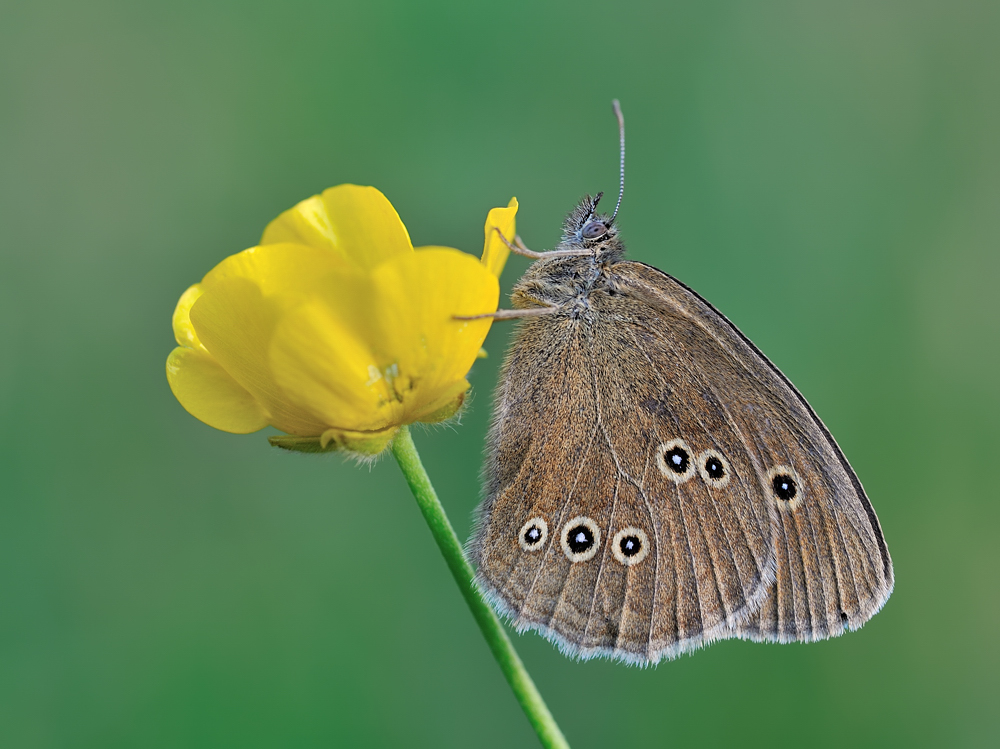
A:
(520, 244)
(518, 248)
(510, 314)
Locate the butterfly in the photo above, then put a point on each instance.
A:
(652, 482)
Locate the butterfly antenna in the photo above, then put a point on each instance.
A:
(621, 136)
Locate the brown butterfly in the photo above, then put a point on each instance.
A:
(653, 483)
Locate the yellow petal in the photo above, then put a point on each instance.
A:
(357, 223)
(183, 329)
(243, 299)
(495, 252)
(277, 268)
(384, 349)
(412, 323)
(323, 361)
(444, 407)
(208, 393)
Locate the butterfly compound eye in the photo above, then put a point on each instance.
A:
(594, 230)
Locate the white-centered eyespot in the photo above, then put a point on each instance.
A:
(533, 534)
(785, 488)
(714, 468)
(630, 545)
(581, 538)
(675, 460)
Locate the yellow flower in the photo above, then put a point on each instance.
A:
(334, 329)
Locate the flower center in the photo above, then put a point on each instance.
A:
(397, 386)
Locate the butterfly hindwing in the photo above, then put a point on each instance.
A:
(578, 447)
(833, 569)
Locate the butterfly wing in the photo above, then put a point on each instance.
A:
(833, 568)
(588, 532)
(543, 456)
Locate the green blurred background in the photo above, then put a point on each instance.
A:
(827, 174)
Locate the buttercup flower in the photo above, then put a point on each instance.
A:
(335, 329)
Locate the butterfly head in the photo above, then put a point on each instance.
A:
(589, 231)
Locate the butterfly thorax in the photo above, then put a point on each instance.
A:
(570, 281)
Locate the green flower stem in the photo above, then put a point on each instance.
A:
(496, 637)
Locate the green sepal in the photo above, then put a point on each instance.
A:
(300, 444)
(334, 440)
